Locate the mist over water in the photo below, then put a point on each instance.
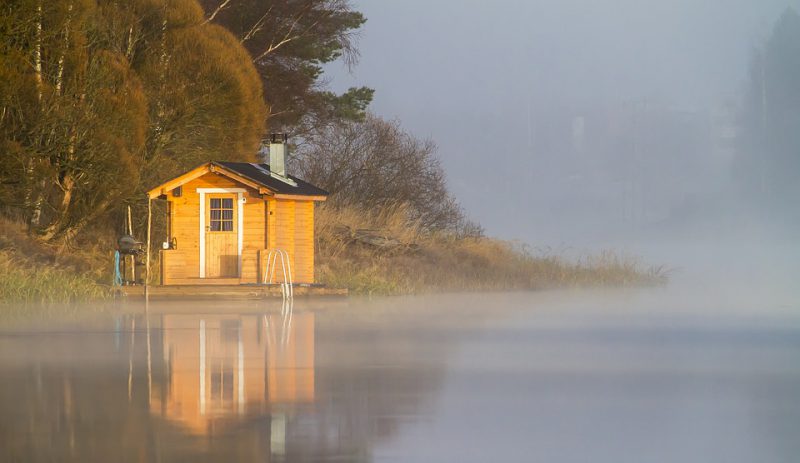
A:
(576, 126)
(613, 376)
(568, 126)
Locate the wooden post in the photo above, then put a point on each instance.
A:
(130, 358)
(133, 256)
(149, 355)
(147, 300)
(147, 249)
(260, 271)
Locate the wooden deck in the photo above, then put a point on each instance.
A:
(228, 291)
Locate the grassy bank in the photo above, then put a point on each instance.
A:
(383, 253)
(32, 272)
(380, 253)
(34, 282)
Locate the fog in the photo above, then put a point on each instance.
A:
(660, 375)
(580, 125)
(568, 126)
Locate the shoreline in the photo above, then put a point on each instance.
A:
(418, 263)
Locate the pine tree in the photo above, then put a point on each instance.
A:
(289, 42)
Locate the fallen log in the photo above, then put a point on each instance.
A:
(370, 237)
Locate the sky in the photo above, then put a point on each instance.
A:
(485, 80)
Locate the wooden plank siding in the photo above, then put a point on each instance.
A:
(183, 263)
(254, 236)
(267, 223)
(281, 232)
(304, 241)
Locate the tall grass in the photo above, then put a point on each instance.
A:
(22, 281)
(425, 262)
(416, 261)
(33, 272)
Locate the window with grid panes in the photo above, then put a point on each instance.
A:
(221, 210)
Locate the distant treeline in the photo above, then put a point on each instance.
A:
(102, 99)
(768, 160)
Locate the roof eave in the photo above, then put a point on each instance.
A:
(301, 197)
(179, 180)
(217, 167)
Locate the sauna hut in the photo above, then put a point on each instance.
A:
(224, 218)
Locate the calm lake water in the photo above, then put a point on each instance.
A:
(637, 376)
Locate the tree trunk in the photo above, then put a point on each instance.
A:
(129, 48)
(37, 49)
(62, 57)
(67, 180)
(62, 212)
(35, 205)
(69, 232)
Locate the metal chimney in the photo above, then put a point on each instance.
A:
(277, 153)
(277, 157)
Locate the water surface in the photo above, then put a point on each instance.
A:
(629, 376)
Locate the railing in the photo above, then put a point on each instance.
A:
(284, 330)
(273, 256)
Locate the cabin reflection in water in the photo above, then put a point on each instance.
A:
(214, 387)
(221, 368)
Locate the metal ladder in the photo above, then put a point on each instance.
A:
(287, 289)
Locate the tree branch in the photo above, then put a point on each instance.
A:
(288, 37)
(257, 26)
(214, 14)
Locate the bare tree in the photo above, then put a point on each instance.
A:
(374, 164)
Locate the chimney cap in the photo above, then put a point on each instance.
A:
(278, 138)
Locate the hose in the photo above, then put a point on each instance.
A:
(117, 276)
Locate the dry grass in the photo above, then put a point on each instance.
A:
(23, 282)
(33, 272)
(423, 262)
(412, 262)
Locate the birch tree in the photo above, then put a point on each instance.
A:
(78, 139)
(101, 99)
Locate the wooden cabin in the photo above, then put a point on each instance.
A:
(223, 218)
(248, 365)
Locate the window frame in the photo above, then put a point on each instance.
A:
(221, 224)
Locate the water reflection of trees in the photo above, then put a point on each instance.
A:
(254, 388)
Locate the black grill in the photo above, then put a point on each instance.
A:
(127, 244)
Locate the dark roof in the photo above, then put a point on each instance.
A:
(259, 173)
